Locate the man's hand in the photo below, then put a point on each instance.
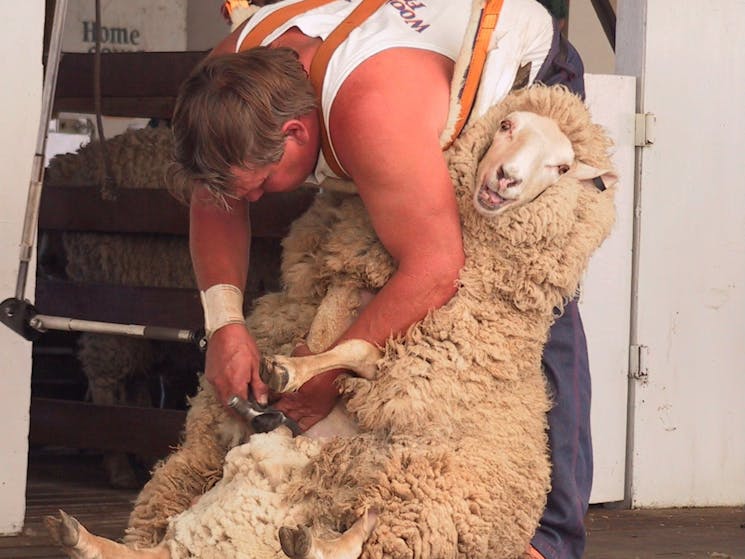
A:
(312, 401)
(233, 364)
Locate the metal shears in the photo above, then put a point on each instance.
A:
(262, 418)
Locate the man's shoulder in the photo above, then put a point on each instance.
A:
(394, 82)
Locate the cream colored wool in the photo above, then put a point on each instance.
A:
(278, 322)
(240, 516)
(139, 159)
(457, 417)
(190, 471)
(453, 456)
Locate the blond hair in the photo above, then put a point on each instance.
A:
(230, 112)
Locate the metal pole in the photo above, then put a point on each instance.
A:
(607, 17)
(43, 322)
(37, 170)
(632, 45)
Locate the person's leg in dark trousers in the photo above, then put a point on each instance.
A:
(561, 532)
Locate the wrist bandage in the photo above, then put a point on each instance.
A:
(223, 305)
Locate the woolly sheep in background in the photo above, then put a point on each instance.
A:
(119, 369)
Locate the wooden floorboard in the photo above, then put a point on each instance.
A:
(75, 482)
(72, 481)
(699, 533)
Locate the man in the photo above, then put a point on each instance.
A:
(249, 123)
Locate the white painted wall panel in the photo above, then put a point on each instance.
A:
(20, 106)
(605, 301)
(689, 417)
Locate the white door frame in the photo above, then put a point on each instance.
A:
(605, 299)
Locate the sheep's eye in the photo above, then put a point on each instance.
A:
(505, 126)
(563, 169)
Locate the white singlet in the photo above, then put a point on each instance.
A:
(523, 35)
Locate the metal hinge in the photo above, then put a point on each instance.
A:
(644, 129)
(638, 355)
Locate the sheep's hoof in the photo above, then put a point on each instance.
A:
(274, 374)
(65, 530)
(295, 542)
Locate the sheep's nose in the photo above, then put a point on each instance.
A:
(510, 171)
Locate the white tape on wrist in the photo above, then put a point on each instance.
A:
(223, 305)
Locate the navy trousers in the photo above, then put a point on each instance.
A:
(561, 533)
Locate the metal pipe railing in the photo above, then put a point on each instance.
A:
(31, 217)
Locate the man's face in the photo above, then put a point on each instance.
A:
(250, 183)
(285, 175)
(297, 163)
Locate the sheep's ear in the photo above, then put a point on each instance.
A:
(584, 172)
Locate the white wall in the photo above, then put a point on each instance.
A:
(20, 107)
(588, 37)
(688, 418)
(205, 25)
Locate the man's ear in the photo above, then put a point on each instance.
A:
(296, 130)
(584, 172)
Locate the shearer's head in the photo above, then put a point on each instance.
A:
(245, 124)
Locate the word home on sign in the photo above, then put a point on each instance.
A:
(113, 39)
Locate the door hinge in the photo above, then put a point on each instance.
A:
(638, 355)
(644, 129)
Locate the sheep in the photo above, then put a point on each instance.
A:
(118, 368)
(450, 458)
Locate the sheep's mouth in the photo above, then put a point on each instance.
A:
(488, 197)
(490, 200)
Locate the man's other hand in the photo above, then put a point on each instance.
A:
(312, 401)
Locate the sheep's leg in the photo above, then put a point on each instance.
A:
(286, 374)
(300, 543)
(79, 543)
(334, 315)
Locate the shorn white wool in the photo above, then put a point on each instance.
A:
(240, 516)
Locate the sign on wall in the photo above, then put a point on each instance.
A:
(131, 25)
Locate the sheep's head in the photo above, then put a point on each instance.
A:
(528, 154)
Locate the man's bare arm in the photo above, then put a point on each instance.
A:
(219, 241)
(386, 123)
(386, 132)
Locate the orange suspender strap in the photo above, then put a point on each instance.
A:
(275, 19)
(489, 19)
(320, 62)
(323, 55)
